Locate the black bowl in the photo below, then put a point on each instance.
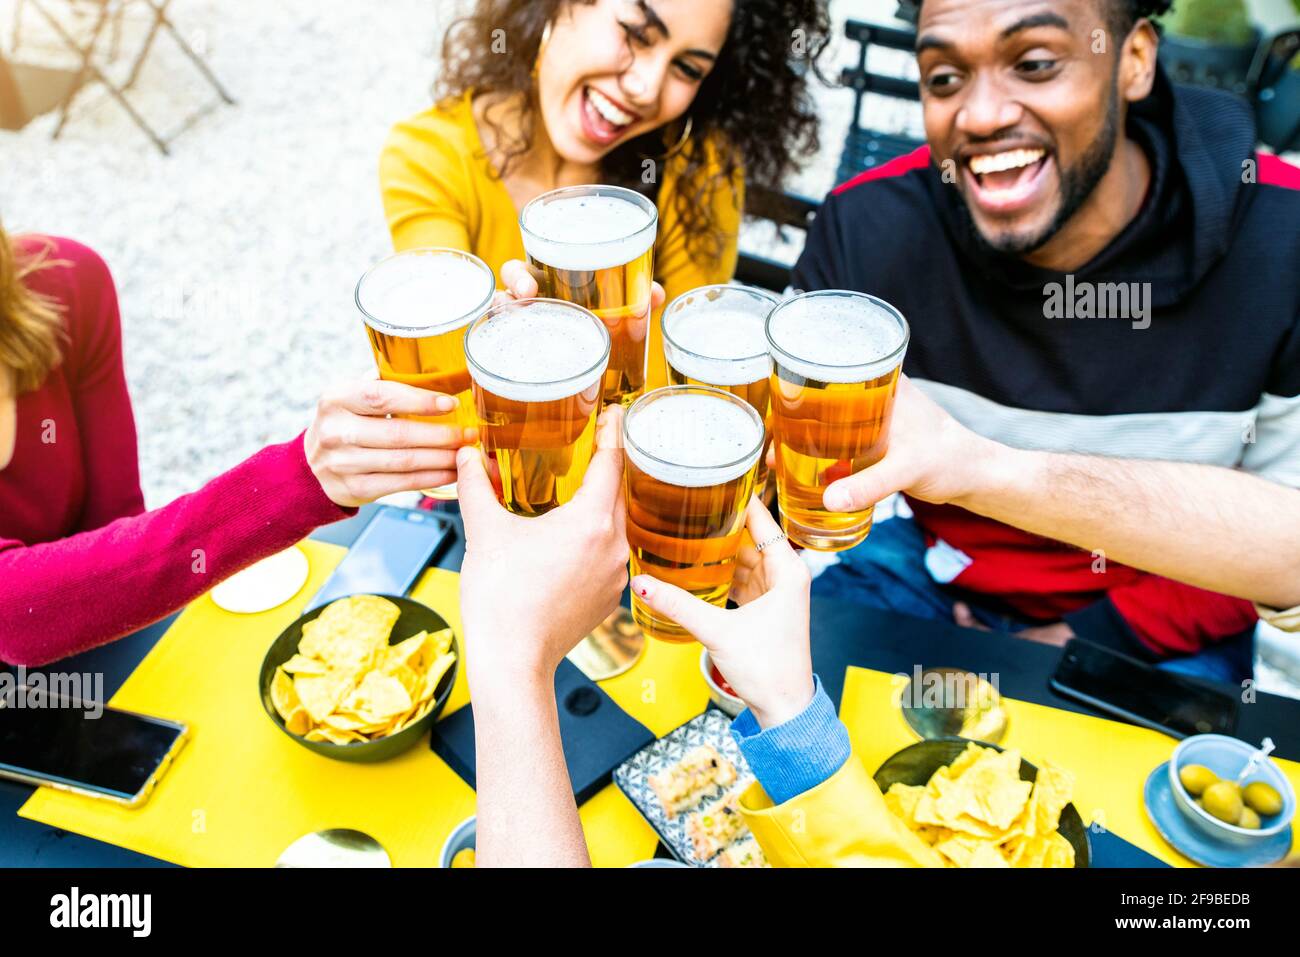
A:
(915, 765)
(415, 618)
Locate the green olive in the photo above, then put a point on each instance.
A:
(1262, 798)
(1196, 778)
(1223, 800)
(1249, 819)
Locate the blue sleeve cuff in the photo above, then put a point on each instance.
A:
(798, 755)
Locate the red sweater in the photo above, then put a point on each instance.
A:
(81, 562)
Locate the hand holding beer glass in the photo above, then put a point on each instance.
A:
(691, 456)
(836, 361)
(594, 246)
(416, 305)
(537, 367)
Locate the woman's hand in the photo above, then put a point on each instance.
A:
(521, 283)
(532, 588)
(762, 647)
(358, 454)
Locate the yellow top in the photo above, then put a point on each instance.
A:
(439, 190)
(842, 822)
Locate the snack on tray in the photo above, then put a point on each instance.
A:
(744, 853)
(716, 825)
(683, 784)
(976, 812)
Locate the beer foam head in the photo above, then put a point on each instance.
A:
(836, 338)
(719, 344)
(537, 350)
(419, 292)
(586, 231)
(692, 439)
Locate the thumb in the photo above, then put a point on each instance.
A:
(865, 488)
(603, 482)
(706, 622)
(478, 499)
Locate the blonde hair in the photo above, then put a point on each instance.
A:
(31, 325)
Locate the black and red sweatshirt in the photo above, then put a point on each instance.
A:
(1210, 375)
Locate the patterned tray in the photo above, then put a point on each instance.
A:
(711, 727)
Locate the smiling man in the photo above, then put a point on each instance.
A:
(1099, 427)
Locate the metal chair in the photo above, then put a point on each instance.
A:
(107, 14)
(865, 147)
(1274, 89)
(785, 210)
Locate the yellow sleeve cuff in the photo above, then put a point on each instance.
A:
(843, 822)
(1284, 619)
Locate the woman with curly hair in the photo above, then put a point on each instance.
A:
(681, 100)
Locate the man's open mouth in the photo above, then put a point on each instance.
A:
(1007, 181)
(603, 120)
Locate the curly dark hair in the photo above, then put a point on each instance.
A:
(1123, 14)
(754, 108)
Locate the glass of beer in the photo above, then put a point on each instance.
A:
(416, 305)
(836, 357)
(537, 367)
(691, 456)
(715, 335)
(594, 246)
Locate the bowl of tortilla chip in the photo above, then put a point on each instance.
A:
(980, 805)
(362, 678)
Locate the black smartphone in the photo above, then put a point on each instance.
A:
(388, 556)
(85, 748)
(1135, 691)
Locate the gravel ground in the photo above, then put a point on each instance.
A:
(236, 256)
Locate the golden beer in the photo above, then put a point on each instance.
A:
(836, 360)
(715, 335)
(416, 305)
(594, 246)
(537, 367)
(691, 455)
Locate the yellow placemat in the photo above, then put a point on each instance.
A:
(241, 791)
(1110, 760)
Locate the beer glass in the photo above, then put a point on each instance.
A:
(836, 357)
(416, 305)
(691, 453)
(715, 335)
(536, 367)
(594, 246)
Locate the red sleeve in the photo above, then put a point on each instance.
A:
(98, 381)
(1171, 618)
(85, 590)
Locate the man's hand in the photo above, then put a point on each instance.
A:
(359, 454)
(931, 456)
(532, 588)
(1217, 528)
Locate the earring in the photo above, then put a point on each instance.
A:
(546, 38)
(681, 142)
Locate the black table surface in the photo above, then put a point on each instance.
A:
(842, 635)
